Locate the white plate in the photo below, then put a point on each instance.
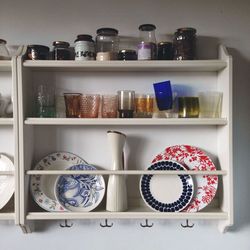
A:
(80, 193)
(167, 193)
(7, 182)
(42, 186)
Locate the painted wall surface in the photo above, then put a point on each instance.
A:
(217, 21)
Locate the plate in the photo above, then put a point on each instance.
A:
(42, 186)
(80, 193)
(7, 182)
(194, 159)
(167, 193)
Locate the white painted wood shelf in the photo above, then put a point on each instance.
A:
(127, 121)
(146, 136)
(7, 216)
(174, 66)
(124, 172)
(5, 65)
(6, 121)
(132, 213)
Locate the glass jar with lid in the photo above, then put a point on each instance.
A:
(107, 41)
(147, 47)
(61, 50)
(185, 44)
(84, 48)
(4, 53)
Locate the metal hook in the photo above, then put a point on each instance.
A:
(66, 224)
(187, 225)
(146, 224)
(106, 224)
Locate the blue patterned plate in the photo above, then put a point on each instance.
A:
(80, 193)
(167, 193)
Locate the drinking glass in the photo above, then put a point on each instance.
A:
(60, 107)
(126, 103)
(144, 106)
(163, 95)
(210, 104)
(188, 107)
(109, 106)
(45, 101)
(72, 103)
(89, 105)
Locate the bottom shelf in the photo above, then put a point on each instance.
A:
(132, 213)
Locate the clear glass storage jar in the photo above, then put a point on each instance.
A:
(107, 41)
(84, 48)
(4, 53)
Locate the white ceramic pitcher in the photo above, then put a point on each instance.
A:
(117, 189)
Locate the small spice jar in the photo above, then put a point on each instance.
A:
(165, 51)
(37, 52)
(61, 50)
(127, 55)
(84, 48)
(185, 44)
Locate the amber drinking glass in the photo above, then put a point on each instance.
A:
(72, 103)
(89, 105)
(144, 106)
(109, 106)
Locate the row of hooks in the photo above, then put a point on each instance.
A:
(106, 224)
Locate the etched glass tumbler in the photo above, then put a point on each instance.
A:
(89, 105)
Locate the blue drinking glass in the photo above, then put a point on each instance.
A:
(163, 95)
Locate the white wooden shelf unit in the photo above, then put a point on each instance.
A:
(41, 136)
(9, 136)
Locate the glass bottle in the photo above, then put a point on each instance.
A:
(4, 53)
(61, 50)
(147, 46)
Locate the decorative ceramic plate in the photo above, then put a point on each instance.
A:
(167, 193)
(42, 186)
(7, 182)
(80, 193)
(194, 159)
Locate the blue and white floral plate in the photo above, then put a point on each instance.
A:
(42, 186)
(167, 193)
(80, 193)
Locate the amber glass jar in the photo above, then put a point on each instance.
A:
(185, 44)
(61, 51)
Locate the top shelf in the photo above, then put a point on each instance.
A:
(173, 66)
(5, 65)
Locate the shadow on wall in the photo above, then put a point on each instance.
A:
(241, 139)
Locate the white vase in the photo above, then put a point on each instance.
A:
(117, 189)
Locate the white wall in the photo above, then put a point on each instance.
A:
(225, 21)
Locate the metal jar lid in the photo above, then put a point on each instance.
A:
(107, 31)
(189, 30)
(147, 27)
(84, 37)
(2, 41)
(61, 44)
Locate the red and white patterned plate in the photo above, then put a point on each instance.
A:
(194, 159)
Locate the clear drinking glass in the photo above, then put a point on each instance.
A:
(60, 107)
(45, 101)
(109, 106)
(210, 104)
(89, 105)
(126, 103)
(72, 103)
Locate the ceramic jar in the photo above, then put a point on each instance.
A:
(84, 48)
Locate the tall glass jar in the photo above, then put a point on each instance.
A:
(185, 44)
(107, 41)
(4, 53)
(147, 47)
